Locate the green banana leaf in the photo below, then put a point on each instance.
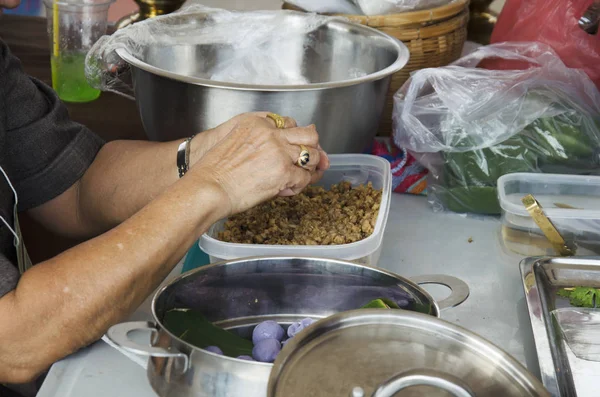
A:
(476, 199)
(567, 143)
(556, 140)
(381, 303)
(192, 327)
(384, 303)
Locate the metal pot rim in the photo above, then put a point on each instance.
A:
(399, 63)
(354, 318)
(200, 269)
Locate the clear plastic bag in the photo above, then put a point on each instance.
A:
(469, 125)
(253, 40)
(580, 327)
(327, 6)
(382, 7)
(366, 7)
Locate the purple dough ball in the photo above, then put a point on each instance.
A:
(267, 330)
(214, 349)
(299, 326)
(402, 302)
(294, 328)
(266, 350)
(247, 358)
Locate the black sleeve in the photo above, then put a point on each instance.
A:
(44, 151)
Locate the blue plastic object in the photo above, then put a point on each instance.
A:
(27, 7)
(195, 258)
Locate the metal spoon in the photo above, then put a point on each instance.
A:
(537, 213)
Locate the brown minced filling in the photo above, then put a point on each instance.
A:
(340, 215)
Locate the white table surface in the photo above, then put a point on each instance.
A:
(417, 242)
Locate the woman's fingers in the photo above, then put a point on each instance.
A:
(316, 176)
(323, 160)
(288, 121)
(299, 178)
(255, 160)
(306, 136)
(314, 156)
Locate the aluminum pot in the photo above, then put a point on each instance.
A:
(173, 103)
(380, 353)
(239, 294)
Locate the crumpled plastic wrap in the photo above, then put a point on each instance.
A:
(366, 7)
(580, 327)
(327, 6)
(382, 7)
(254, 42)
(469, 125)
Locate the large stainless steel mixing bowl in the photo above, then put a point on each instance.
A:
(239, 294)
(174, 102)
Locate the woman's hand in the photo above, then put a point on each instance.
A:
(256, 161)
(205, 141)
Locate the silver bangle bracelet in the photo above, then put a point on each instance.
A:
(183, 156)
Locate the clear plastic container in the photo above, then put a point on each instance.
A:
(74, 26)
(571, 202)
(355, 168)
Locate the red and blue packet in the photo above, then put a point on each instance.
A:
(408, 176)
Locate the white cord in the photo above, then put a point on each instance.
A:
(16, 242)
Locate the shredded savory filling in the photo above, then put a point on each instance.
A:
(340, 215)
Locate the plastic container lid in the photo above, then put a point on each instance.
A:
(354, 168)
(561, 196)
(570, 202)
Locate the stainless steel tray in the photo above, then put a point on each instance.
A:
(563, 374)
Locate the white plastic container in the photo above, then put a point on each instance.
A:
(572, 203)
(355, 168)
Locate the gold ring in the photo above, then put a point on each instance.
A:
(279, 121)
(304, 157)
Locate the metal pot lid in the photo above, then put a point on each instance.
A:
(384, 353)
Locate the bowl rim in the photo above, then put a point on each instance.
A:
(402, 58)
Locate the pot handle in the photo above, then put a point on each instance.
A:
(422, 377)
(460, 289)
(119, 335)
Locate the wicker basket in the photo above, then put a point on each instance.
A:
(434, 37)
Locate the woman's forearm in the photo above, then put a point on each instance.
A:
(127, 175)
(124, 177)
(69, 301)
